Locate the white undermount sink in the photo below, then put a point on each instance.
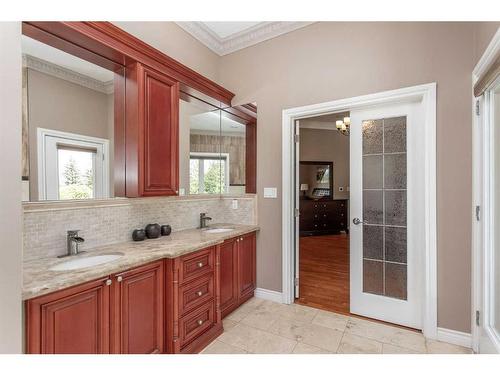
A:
(219, 230)
(75, 264)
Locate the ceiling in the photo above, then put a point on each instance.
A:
(57, 57)
(212, 122)
(324, 122)
(226, 37)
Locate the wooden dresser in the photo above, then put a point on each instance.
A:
(319, 217)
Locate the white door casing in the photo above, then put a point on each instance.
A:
(485, 338)
(297, 208)
(426, 94)
(404, 312)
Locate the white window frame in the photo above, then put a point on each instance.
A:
(48, 176)
(201, 173)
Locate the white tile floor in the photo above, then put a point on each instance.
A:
(261, 326)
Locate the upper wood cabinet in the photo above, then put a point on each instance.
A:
(152, 128)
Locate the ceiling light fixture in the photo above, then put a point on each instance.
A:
(343, 126)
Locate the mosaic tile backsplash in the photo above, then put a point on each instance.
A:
(44, 232)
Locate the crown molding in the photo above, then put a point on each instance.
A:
(65, 74)
(243, 39)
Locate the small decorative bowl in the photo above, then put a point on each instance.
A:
(166, 230)
(153, 230)
(138, 234)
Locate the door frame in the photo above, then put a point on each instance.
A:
(426, 94)
(481, 196)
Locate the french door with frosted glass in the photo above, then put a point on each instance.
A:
(387, 213)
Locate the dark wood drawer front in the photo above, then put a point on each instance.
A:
(196, 264)
(317, 217)
(196, 323)
(195, 294)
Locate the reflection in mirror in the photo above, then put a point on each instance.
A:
(202, 168)
(316, 180)
(233, 150)
(68, 125)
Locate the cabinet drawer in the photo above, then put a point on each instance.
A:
(195, 294)
(197, 264)
(196, 323)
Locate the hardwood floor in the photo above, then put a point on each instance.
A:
(324, 272)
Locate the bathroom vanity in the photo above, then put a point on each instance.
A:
(161, 131)
(161, 296)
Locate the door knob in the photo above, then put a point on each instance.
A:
(356, 221)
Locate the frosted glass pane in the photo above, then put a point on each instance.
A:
(373, 137)
(385, 207)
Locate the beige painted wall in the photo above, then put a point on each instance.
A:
(176, 43)
(327, 61)
(483, 32)
(10, 189)
(61, 105)
(327, 145)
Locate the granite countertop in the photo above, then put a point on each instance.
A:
(38, 279)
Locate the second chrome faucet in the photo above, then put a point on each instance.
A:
(203, 220)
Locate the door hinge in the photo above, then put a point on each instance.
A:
(296, 212)
(478, 213)
(296, 138)
(478, 318)
(477, 108)
(296, 281)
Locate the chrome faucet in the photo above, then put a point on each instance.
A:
(203, 220)
(72, 241)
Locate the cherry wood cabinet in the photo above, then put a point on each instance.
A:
(152, 128)
(238, 271)
(74, 320)
(246, 267)
(137, 314)
(193, 300)
(166, 306)
(229, 275)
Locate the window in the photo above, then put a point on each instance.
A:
(72, 166)
(208, 173)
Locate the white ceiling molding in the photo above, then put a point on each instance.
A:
(243, 39)
(65, 74)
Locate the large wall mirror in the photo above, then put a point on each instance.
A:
(213, 148)
(68, 126)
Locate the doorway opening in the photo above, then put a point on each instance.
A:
(390, 227)
(323, 177)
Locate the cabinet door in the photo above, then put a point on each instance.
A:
(137, 310)
(246, 266)
(152, 144)
(72, 321)
(228, 276)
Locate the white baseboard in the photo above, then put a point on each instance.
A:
(454, 337)
(270, 295)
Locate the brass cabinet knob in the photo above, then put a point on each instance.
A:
(200, 265)
(119, 279)
(109, 282)
(200, 322)
(199, 293)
